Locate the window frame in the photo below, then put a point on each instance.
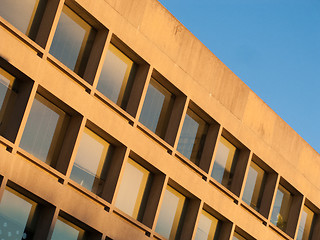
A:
(239, 164)
(270, 181)
(293, 211)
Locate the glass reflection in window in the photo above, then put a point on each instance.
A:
(170, 213)
(156, 108)
(18, 215)
(90, 166)
(6, 93)
(281, 208)
(224, 163)
(116, 77)
(24, 15)
(67, 231)
(133, 189)
(192, 136)
(306, 222)
(254, 186)
(208, 227)
(44, 131)
(72, 41)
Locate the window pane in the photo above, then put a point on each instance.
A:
(90, 166)
(170, 213)
(192, 136)
(207, 227)
(17, 215)
(133, 189)
(6, 93)
(72, 40)
(24, 15)
(224, 162)
(156, 108)
(66, 231)
(44, 129)
(305, 226)
(236, 236)
(116, 76)
(281, 208)
(254, 186)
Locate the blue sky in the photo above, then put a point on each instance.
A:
(272, 45)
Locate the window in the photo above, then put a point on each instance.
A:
(254, 186)
(72, 41)
(192, 136)
(6, 93)
(281, 208)
(24, 15)
(237, 236)
(18, 215)
(170, 216)
(66, 230)
(208, 227)
(133, 189)
(44, 130)
(91, 162)
(117, 76)
(306, 223)
(156, 108)
(224, 163)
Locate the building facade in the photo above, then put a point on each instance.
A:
(117, 123)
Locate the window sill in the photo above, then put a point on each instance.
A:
(155, 137)
(254, 212)
(69, 72)
(41, 164)
(133, 221)
(225, 190)
(21, 36)
(192, 165)
(89, 194)
(114, 107)
(279, 231)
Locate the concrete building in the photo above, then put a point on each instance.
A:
(117, 123)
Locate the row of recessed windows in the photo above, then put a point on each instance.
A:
(48, 126)
(46, 130)
(24, 218)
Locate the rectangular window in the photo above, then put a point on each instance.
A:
(254, 186)
(170, 216)
(192, 136)
(117, 76)
(281, 208)
(224, 163)
(91, 162)
(66, 230)
(6, 93)
(24, 15)
(208, 227)
(306, 222)
(73, 40)
(133, 189)
(44, 130)
(157, 108)
(18, 215)
(237, 236)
